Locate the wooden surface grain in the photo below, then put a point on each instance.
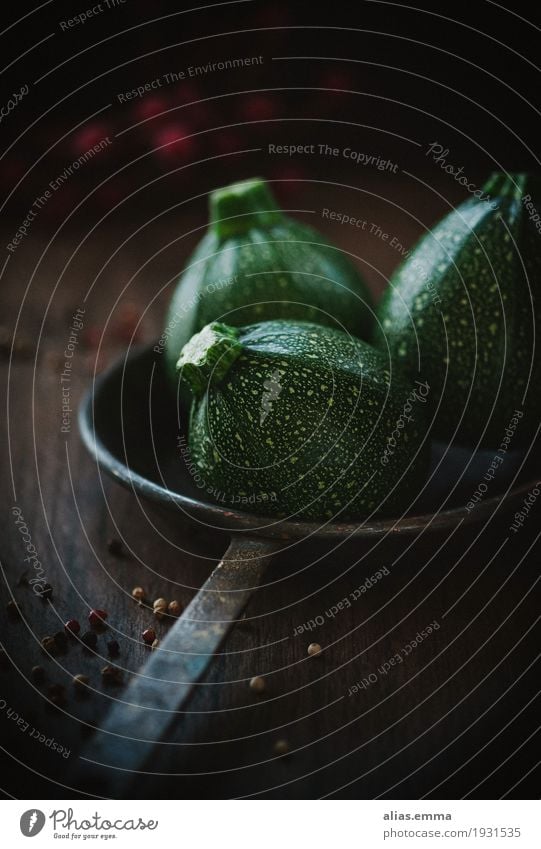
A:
(458, 716)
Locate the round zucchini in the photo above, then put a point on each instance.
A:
(464, 310)
(295, 419)
(256, 263)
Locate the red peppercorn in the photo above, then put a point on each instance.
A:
(149, 107)
(38, 674)
(72, 626)
(111, 675)
(89, 640)
(113, 648)
(115, 547)
(172, 142)
(88, 136)
(14, 609)
(97, 617)
(61, 640)
(149, 636)
(57, 695)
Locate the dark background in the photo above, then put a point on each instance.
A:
(460, 719)
(471, 84)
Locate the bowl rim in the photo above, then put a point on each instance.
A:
(254, 524)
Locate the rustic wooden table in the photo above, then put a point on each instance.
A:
(457, 717)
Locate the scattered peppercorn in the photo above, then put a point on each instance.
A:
(80, 682)
(313, 649)
(149, 635)
(14, 609)
(37, 674)
(113, 648)
(160, 608)
(257, 684)
(281, 747)
(97, 618)
(115, 547)
(138, 594)
(111, 675)
(89, 640)
(49, 645)
(61, 640)
(72, 627)
(174, 608)
(46, 591)
(57, 694)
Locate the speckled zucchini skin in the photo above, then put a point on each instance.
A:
(299, 425)
(461, 311)
(273, 267)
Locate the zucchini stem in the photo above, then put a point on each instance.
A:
(208, 356)
(237, 208)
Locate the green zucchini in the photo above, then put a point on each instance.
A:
(463, 311)
(290, 418)
(255, 263)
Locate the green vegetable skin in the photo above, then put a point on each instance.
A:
(255, 263)
(461, 311)
(295, 419)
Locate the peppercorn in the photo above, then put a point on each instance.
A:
(72, 627)
(57, 695)
(97, 618)
(61, 640)
(49, 645)
(89, 640)
(314, 649)
(37, 674)
(113, 648)
(80, 682)
(281, 747)
(138, 594)
(174, 608)
(160, 608)
(115, 547)
(149, 635)
(14, 609)
(111, 675)
(46, 591)
(257, 684)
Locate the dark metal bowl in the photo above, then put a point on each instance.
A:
(129, 423)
